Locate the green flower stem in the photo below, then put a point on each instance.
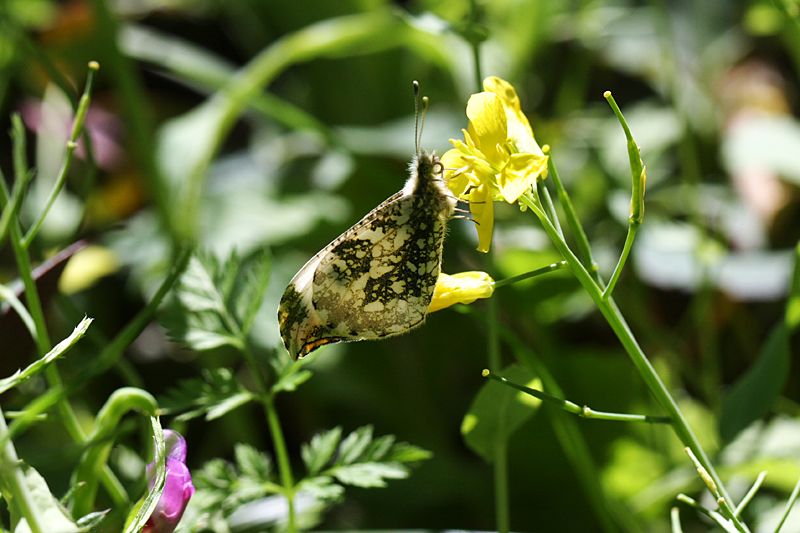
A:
(615, 319)
(632, 228)
(77, 129)
(531, 274)
(21, 180)
(267, 399)
(502, 506)
(789, 505)
(13, 481)
(100, 442)
(549, 208)
(713, 515)
(751, 493)
(287, 479)
(575, 224)
(570, 407)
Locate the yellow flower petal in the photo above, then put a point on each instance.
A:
(482, 210)
(488, 126)
(508, 96)
(464, 287)
(520, 174)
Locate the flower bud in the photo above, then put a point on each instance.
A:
(464, 287)
(178, 488)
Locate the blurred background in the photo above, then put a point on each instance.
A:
(315, 128)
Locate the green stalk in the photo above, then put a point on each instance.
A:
(72, 143)
(617, 322)
(285, 468)
(574, 224)
(632, 228)
(575, 409)
(13, 481)
(531, 274)
(502, 507)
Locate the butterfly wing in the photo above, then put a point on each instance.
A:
(375, 280)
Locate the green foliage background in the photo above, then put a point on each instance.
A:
(321, 131)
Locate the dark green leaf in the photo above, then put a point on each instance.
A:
(353, 445)
(213, 395)
(498, 411)
(252, 463)
(403, 452)
(291, 380)
(251, 284)
(754, 393)
(319, 452)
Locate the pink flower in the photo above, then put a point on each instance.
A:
(177, 490)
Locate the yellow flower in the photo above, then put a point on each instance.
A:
(498, 158)
(464, 287)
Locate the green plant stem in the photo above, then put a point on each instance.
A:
(789, 505)
(531, 274)
(617, 322)
(571, 407)
(750, 493)
(287, 479)
(549, 208)
(632, 228)
(13, 481)
(95, 458)
(502, 506)
(77, 129)
(574, 224)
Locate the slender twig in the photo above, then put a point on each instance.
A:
(750, 493)
(72, 143)
(789, 505)
(570, 407)
(574, 224)
(531, 274)
(632, 228)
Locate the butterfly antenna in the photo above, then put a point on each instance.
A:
(416, 115)
(422, 122)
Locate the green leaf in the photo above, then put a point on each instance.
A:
(369, 474)
(214, 395)
(21, 376)
(251, 284)
(252, 463)
(403, 452)
(91, 521)
(217, 302)
(323, 488)
(354, 445)
(52, 516)
(498, 411)
(160, 460)
(754, 393)
(291, 380)
(319, 452)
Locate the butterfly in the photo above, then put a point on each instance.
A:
(376, 279)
